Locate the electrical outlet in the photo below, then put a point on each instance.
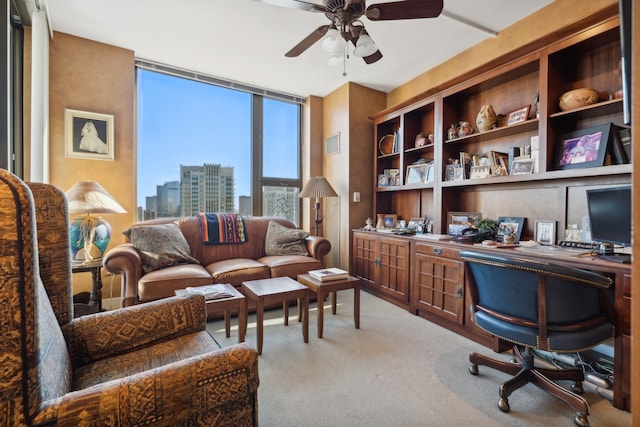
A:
(356, 197)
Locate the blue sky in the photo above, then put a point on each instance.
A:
(190, 123)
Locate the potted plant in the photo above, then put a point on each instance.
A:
(487, 225)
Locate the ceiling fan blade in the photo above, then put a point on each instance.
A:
(295, 4)
(408, 9)
(307, 42)
(375, 57)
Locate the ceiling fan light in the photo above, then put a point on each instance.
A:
(365, 46)
(336, 60)
(333, 41)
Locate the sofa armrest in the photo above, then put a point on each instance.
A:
(125, 260)
(218, 388)
(105, 334)
(318, 247)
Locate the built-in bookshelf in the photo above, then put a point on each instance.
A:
(524, 92)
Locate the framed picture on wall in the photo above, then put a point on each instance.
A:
(88, 135)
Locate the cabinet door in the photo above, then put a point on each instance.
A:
(365, 257)
(437, 285)
(393, 268)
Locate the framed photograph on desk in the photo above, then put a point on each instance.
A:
(545, 232)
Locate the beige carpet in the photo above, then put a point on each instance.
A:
(396, 370)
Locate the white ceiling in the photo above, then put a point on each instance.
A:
(245, 40)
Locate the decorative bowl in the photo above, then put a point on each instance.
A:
(385, 145)
(578, 98)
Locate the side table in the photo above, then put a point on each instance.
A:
(322, 288)
(95, 298)
(225, 305)
(276, 289)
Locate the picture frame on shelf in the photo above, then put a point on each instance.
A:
(518, 116)
(511, 226)
(545, 232)
(479, 172)
(457, 222)
(431, 172)
(393, 176)
(417, 173)
(522, 167)
(585, 148)
(383, 180)
(88, 135)
(390, 220)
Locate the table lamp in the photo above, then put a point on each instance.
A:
(89, 233)
(317, 187)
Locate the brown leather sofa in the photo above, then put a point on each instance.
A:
(223, 263)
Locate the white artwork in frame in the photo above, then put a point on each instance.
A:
(88, 135)
(332, 144)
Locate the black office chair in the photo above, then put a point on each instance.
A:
(538, 306)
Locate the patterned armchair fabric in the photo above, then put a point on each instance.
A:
(152, 364)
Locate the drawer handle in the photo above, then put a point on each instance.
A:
(437, 251)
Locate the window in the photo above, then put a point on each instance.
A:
(203, 147)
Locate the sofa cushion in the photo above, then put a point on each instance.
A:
(281, 240)
(163, 283)
(237, 270)
(160, 246)
(290, 265)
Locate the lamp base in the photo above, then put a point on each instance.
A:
(89, 237)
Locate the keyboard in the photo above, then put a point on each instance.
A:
(550, 249)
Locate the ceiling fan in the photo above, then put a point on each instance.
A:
(346, 26)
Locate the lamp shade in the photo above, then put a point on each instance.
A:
(89, 234)
(365, 45)
(333, 41)
(317, 187)
(88, 197)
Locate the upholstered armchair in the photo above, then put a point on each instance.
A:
(542, 306)
(152, 364)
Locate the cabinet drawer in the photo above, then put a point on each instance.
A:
(436, 250)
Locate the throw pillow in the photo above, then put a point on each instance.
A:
(160, 245)
(281, 240)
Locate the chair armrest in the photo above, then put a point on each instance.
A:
(218, 388)
(105, 334)
(318, 247)
(125, 260)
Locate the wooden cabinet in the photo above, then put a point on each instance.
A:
(437, 283)
(382, 263)
(537, 78)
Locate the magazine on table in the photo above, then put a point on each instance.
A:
(210, 291)
(329, 274)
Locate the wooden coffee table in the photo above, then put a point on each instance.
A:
(269, 291)
(225, 305)
(323, 288)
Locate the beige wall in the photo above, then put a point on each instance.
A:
(346, 111)
(89, 76)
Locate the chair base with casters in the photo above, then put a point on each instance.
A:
(524, 372)
(542, 306)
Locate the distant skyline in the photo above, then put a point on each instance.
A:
(184, 122)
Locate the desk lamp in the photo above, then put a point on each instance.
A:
(317, 187)
(89, 233)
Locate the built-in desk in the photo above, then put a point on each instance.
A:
(437, 291)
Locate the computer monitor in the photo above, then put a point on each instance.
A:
(610, 217)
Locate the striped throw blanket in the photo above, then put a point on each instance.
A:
(222, 228)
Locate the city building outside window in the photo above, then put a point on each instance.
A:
(207, 148)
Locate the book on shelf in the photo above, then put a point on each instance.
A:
(210, 292)
(326, 274)
(624, 135)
